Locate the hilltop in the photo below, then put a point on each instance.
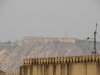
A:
(11, 54)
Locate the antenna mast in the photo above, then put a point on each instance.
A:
(66, 33)
(95, 52)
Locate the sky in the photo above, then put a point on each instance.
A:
(48, 18)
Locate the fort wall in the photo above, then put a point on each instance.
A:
(74, 65)
(48, 39)
(9, 73)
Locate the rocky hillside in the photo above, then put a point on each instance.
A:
(11, 54)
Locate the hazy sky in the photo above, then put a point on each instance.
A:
(20, 18)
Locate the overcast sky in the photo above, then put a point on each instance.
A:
(22, 18)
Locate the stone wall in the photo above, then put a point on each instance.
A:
(9, 73)
(74, 65)
(48, 39)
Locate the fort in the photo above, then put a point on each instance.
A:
(71, 65)
(48, 39)
(74, 65)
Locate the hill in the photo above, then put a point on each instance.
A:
(11, 54)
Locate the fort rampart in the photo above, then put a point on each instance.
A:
(73, 65)
(48, 39)
(54, 60)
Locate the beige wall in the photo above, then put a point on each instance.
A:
(64, 69)
(75, 65)
(9, 73)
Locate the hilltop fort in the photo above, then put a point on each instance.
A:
(48, 39)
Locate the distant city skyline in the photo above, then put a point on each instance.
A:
(52, 18)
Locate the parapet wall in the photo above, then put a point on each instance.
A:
(48, 39)
(74, 59)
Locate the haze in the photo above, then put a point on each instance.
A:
(22, 18)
